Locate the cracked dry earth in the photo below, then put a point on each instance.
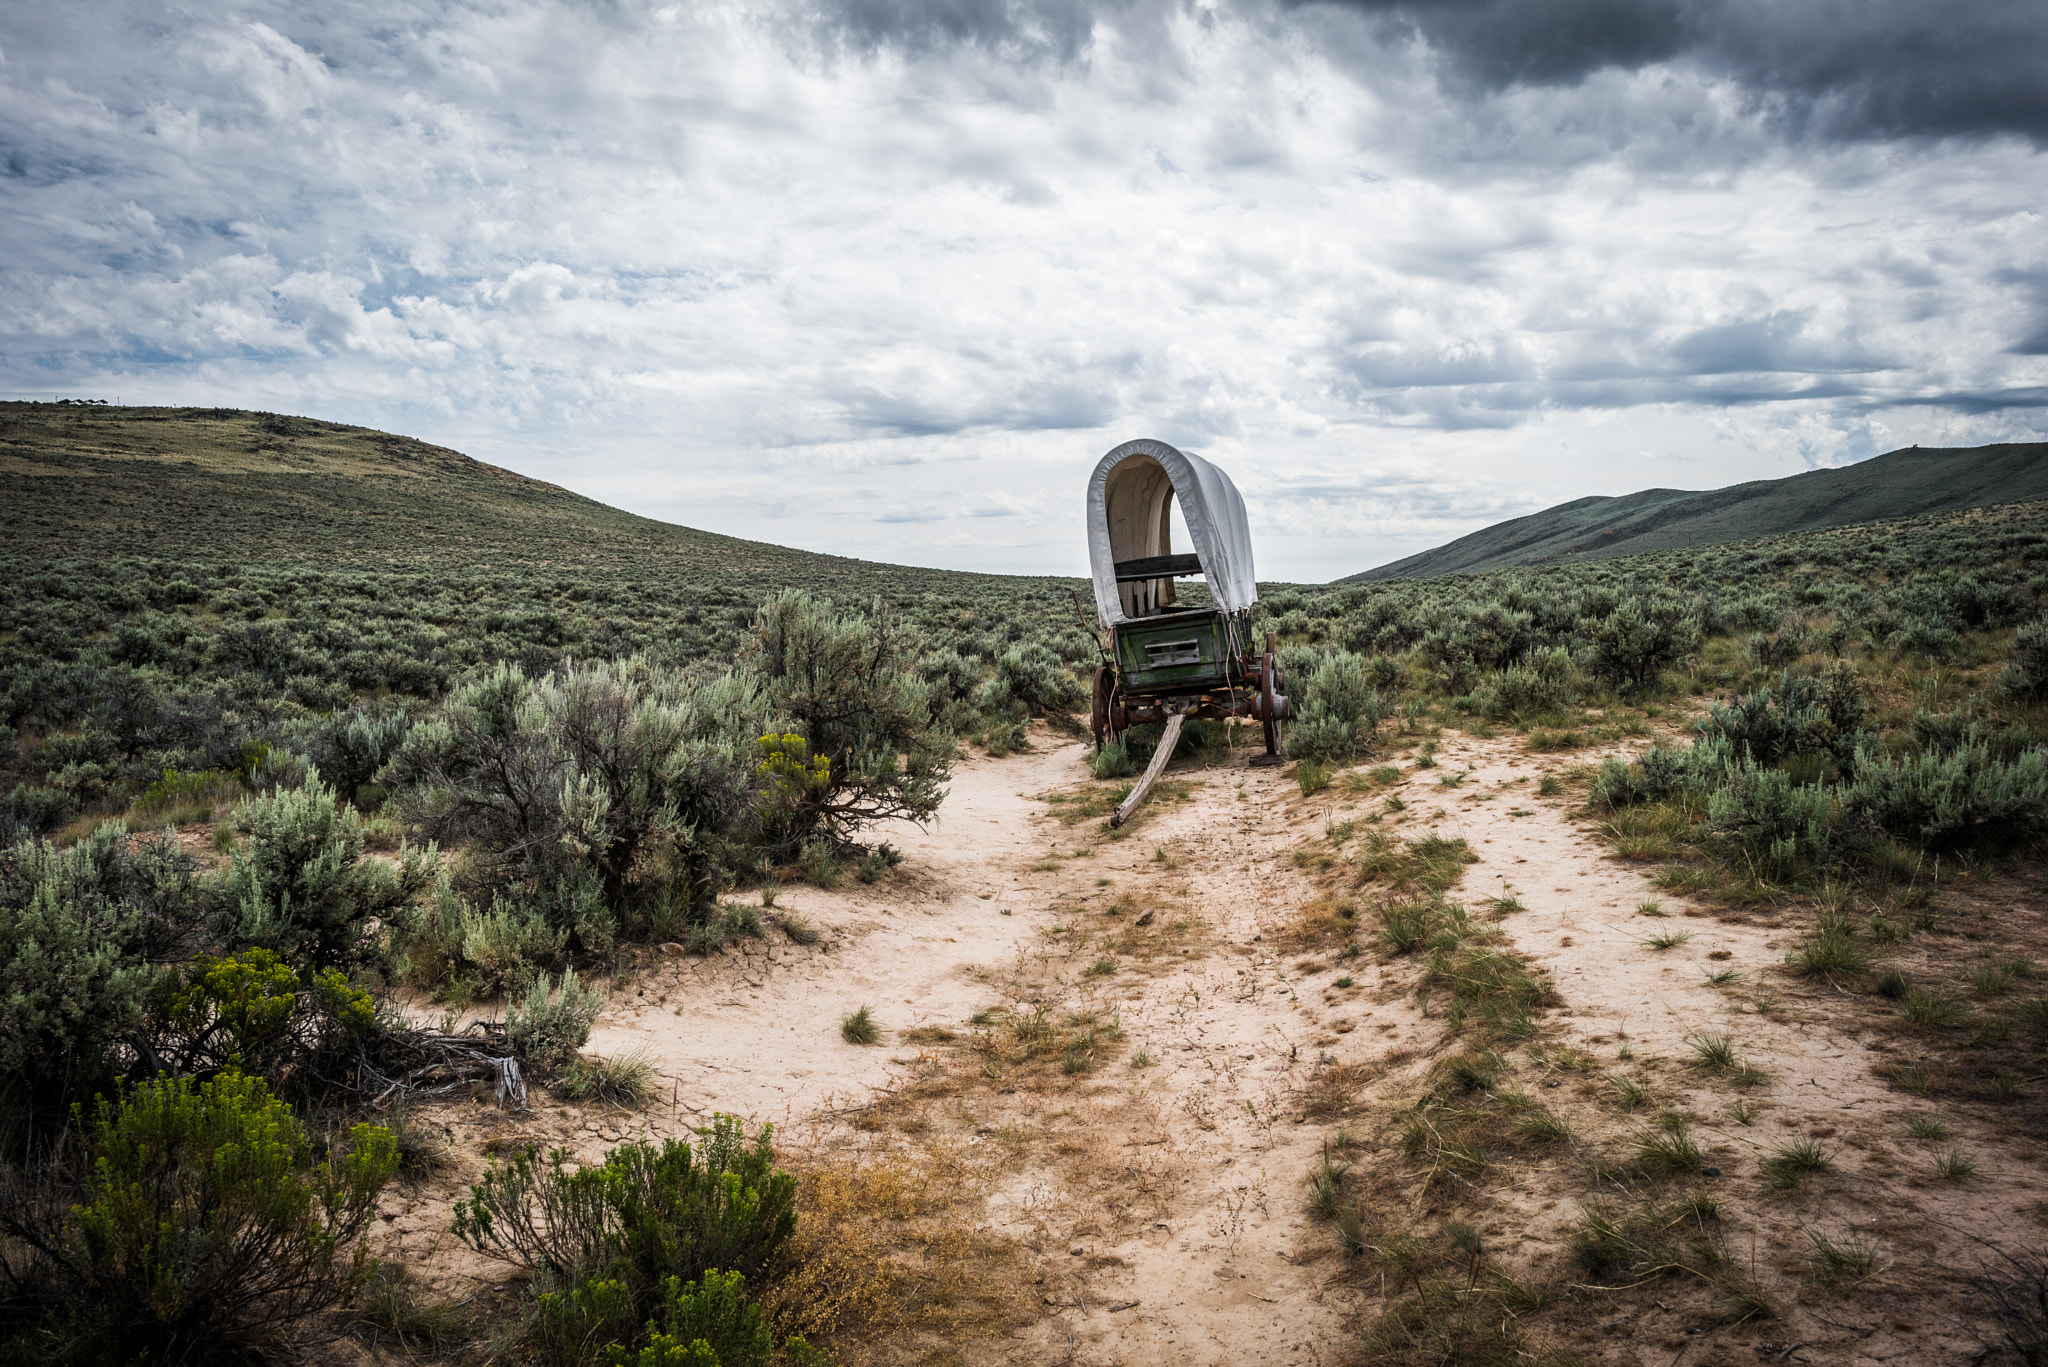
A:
(1161, 1208)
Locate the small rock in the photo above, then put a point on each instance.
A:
(1710, 1171)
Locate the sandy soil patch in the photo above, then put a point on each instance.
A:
(1153, 1175)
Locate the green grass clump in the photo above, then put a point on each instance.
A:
(1792, 1163)
(859, 1027)
(1848, 1259)
(1714, 1050)
(1832, 951)
(1668, 1149)
(1924, 1008)
(1629, 1095)
(623, 1080)
(1955, 1166)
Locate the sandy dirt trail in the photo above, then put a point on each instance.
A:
(1165, 1205)
(1205, 1131)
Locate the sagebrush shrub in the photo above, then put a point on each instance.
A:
(1113, 760)
(552, 1021)
(1034, 675)
(1336, 710)
(1936, 640)
(79, 932)
(350, 746)
(950, 678)
(1543, 682)
(1798, 715)
(188, 1222)
(850, 686)
(303, 888)
(507, 946)
(2026, 674)
(596, 765)
(1644, 637)
(1966, 799)
(1778, 826)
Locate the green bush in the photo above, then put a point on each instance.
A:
(32, 810)
(1543, 682)
(2025, 675)
(1777, 826)
(552, 1022)
(508, 945)
(949, 679)
(713, 1314)
(350, 746)
(1963, 800)
(303, 889)
(1113, 760)
(182, 797)
(251, 1013)
(851, 688)
(1937, 641)
(1642, 638)
(190, 1222)
(878, 861)
(616, 1244)
(1659, 773)
(1337, 711)
(494, 952)
(79, 931)
(1034, 675)
(600, 766)
(1799, 715)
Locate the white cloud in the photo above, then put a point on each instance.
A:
(892, 296)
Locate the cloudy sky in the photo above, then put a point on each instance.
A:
(885, 277)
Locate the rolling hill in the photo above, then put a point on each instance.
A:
(193, 483)
(1904, 483)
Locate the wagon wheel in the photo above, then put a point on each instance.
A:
(1269, 702)
(1099, 713)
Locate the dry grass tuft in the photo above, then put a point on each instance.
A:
(888, 1261)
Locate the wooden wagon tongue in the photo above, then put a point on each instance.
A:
(1164, 753)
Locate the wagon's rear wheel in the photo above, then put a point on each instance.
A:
(1104, 697)
(1269, 702)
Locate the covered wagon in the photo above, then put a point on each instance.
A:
(1168, 663)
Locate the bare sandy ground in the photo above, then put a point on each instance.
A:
(1164, 1206)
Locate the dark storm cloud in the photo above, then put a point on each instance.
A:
(1873, 69)
(1059, 29)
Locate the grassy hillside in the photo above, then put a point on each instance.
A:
(178, 483)
(1907, 483)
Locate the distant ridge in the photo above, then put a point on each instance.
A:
(178, 483)
(1904, 483)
